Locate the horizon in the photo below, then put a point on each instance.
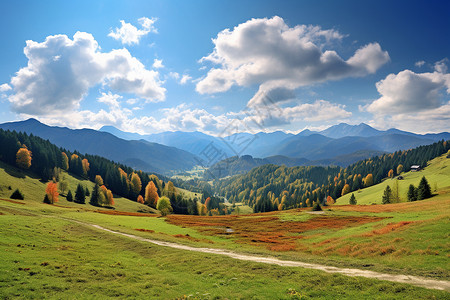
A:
(271, 67)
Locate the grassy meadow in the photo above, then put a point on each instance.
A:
(47, 253)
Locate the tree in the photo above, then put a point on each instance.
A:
(399, 169)
(387, 196)
(345, 190)
(423, 190)
(412, 193)
(330, 200)
(352, 200)
(17, 194)
(23, 158)
(164, 206)
(80, 196)
(65, 161)
(52, 192)
(85, 165)
(95, 195)
(317, 207)
(99, 180)
(395, 192)
(136, 184)
(140, 199)
(170, 190)
(151, 194)
(368, 180)
(391, 173)
(69, 196)
(63, 186)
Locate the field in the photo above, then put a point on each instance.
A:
(437, 174)
(48, 251)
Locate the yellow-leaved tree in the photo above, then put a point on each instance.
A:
(151, 194)
(23, 157)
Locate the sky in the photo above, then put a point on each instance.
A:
(155, 66)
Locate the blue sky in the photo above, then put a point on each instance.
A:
(152, 66)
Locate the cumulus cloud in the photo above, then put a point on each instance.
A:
(5, 87)
(269, 53)
(185, 79)
(157, 63)
(419, 63)
(60, 72)
(407, 92)
(110, 99)
(129, 34)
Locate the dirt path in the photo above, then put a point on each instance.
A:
(413, 280)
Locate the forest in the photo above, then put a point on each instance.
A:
(271, 187)
(47, 160)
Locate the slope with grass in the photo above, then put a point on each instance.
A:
(437, 173)
(45, 254)
(34, 189)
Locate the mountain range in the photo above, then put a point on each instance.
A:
(167, 152)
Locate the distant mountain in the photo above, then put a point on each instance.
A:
(343, 130)
(139, 154)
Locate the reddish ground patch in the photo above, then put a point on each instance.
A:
(12, 201)
(144, 230)
(266, 230)
(188, 237)
(388, 228)
(125, 213)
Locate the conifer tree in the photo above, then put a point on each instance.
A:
(69, 196)
(424, 189)
(412, 193)
(80, 196)
(387, 196)
(352, 200)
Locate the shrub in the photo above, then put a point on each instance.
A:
(317, 207)
(17, 195)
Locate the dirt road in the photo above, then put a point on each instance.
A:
(414, 280)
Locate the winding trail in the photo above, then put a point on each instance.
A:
(413, 280)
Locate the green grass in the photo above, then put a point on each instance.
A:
(47, 257)
(437, 174)
(188, 194)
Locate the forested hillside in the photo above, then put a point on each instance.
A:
(271, 187)
(45, 160)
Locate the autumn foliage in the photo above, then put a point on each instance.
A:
(140, 199)
(23, 158)
(151, 194)
(85, 166)
(65, 161)
(52, 192)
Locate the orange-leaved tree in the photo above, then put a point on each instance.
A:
(330, 200)
(151, 194)
(345, 189)
(391, 173)
(85, 165)
(52, 192)
(140, 199)
(23, 157)
(99, 180)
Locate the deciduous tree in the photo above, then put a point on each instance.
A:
(151, 194)
(391, 173)
(23, 158)
(52, 192)
(136, 184)
(140, 199)
(65, 161)
(164, 206)
(345, 190)
(399, 169)
(85, 165)
(368, 180)
(99, 180)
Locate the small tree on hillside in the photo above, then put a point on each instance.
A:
(387, 196)
(352, 200)
(399, 169)
(424, 189)
(391, 173)
(164, 206)
(412, 193)
(95, 195)
(17, 194)
(52, 192)
(345, 190)
(80, 196)
(69, 196)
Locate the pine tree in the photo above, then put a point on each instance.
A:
(352, 200)
(69, 196)
(412, 193)
(95, 195)
(387, 196)
(424, 189)
(79, 194)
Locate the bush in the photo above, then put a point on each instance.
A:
(17, 195)
(317, 207)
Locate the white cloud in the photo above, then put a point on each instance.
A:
(174, 75)
(157, 63)
(419, 63)
(5, 87)
(46, 85)
(441, 66)
(408, 92)
(185, 78)
(269, 53)
(129, 34)
(110, 99)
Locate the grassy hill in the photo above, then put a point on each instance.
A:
(34, 189)
(437, 173)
